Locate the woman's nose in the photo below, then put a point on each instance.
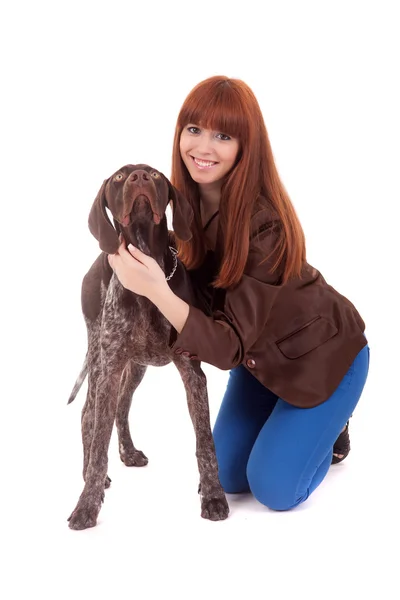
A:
(204, 144)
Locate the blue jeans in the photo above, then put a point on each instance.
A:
(273, 449)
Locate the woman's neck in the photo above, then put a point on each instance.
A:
(210, 197)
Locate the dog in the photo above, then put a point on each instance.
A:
(126, 333)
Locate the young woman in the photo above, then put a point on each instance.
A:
(295, 347)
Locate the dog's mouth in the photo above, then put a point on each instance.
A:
(141, 210)
(126, 221)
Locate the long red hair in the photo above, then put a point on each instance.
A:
(229, 106)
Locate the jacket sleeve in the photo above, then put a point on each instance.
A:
(224, 338)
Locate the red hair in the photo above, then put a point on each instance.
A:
(229, 106)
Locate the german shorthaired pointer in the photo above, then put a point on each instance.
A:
(126, 333)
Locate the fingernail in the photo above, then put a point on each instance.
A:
(131, 247)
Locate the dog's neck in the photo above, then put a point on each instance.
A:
(152, 240)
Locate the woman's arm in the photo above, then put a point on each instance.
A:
(174, 309)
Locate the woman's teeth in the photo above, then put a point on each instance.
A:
(204, 163)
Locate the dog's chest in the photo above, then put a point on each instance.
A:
(137, 325)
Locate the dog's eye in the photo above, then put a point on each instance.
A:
(155, 174)
(118, 177)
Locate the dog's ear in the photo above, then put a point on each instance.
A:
(182, 214)
(100, 225)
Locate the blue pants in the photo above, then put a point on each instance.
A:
(273, 449)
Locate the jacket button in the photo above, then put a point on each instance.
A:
(251, 363)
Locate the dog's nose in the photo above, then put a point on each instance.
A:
(140, 176)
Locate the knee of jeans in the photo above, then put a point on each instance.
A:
(270, 488)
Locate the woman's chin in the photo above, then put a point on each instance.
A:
(204, 177)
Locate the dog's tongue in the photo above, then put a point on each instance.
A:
(125, 221)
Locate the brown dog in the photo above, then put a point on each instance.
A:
(126, 333)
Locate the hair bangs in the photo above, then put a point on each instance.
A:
(217, 108)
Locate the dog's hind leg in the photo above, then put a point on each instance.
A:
(131, 378)
(214, 505)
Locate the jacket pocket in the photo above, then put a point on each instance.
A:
(307, 337)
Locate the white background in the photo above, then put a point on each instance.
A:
(88, 87)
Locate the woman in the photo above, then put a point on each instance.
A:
(295, 347)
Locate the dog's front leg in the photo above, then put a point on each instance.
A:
(131, 378)
(214, 505)
(89, 503)
(88, 412)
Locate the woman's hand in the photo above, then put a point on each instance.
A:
(138, 272)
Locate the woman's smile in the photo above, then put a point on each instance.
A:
(203, 164)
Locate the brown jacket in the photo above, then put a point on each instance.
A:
(298, 339)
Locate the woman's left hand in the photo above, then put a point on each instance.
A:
(137, 272)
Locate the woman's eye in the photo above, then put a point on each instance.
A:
(118, 177)
(223, 137)
(193, 129)
(155, 174)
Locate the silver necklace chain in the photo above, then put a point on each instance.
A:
(174, 253)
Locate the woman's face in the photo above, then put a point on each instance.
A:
(208, 155)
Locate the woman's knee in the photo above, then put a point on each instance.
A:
(272, 488)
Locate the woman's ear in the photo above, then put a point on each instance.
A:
(182, 214)
(100, 225)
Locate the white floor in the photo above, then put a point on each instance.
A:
(150, 541)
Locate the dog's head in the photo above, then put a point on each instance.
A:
(137, 197)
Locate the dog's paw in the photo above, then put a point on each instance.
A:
(214, 509)
(133, 458)
(83, 517)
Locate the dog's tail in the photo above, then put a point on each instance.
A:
(79, 381)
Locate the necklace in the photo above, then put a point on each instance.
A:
(174, 253)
